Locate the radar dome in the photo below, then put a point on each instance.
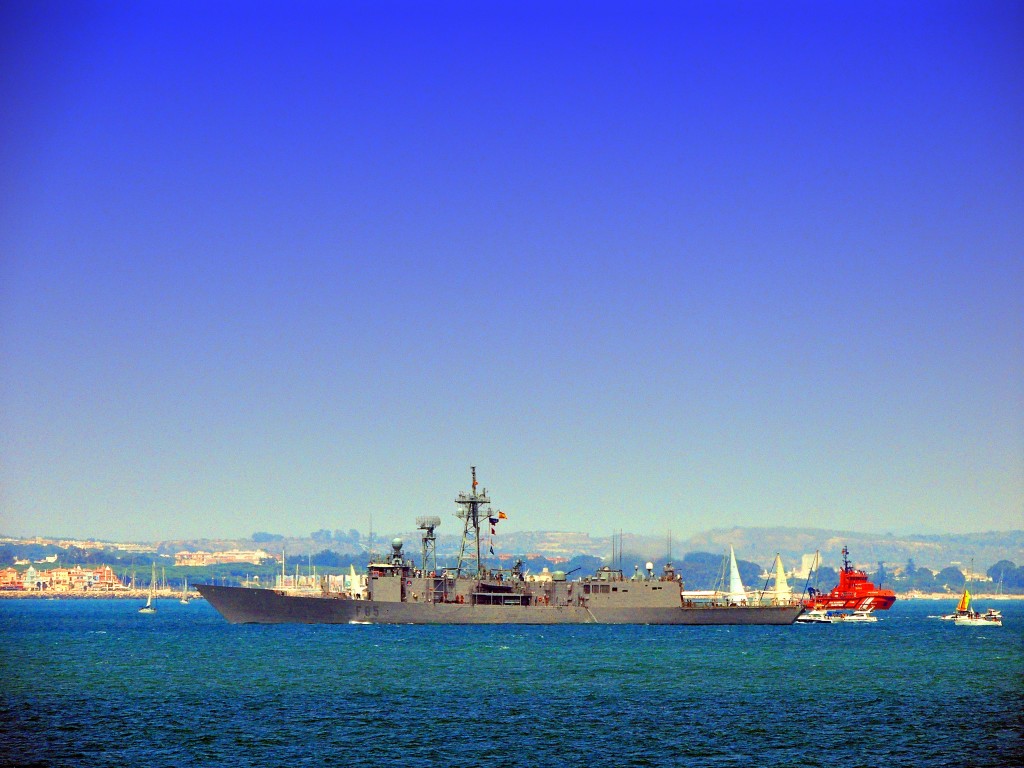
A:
(396, 544)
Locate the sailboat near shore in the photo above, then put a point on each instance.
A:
(965, 616)
(149, 607)
(184, 592)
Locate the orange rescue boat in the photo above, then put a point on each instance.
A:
(853, 592)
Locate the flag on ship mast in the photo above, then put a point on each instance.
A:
(494, 522)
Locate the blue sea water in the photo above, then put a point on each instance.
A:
(94, 683)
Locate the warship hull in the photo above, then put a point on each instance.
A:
(245, 605)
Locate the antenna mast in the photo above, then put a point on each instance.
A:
(427, 525)
(470, 512)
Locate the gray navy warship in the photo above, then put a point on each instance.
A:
(398, 592)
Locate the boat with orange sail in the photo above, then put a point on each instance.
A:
(965, 616)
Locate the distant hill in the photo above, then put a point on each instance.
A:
(754, 545)
(866, 549)
(759, 545)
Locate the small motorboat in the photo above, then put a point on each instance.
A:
(861, 616)
(816, 616)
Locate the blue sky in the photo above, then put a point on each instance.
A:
(281, 266)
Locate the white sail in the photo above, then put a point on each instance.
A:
(781, 590)
(354, 584)
(149, 607)
(737, 594)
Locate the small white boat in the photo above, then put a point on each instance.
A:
(184, 592)
(861, 616)
(817, 616)
(990, 618)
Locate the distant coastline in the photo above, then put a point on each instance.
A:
(951, 596)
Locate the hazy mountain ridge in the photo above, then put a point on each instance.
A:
(757, 545)
(934, 551)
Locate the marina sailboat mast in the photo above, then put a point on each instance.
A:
(471, 509)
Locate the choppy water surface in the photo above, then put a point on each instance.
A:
(94, 683)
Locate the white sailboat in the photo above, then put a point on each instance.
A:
(184, 592)
(354, 584)
(737, 593)
(965, 616)
(782, 592)
(149, 607)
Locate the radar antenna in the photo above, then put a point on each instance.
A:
(470, 512)
(427, 525)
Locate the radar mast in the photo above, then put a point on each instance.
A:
(427, 525)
